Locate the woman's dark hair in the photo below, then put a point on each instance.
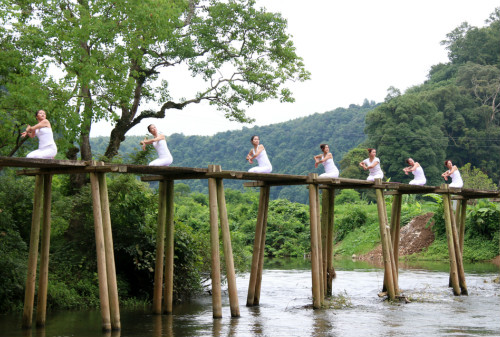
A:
(370, 150)
(446, 162)
(251, 139)
(408, 160)
(36, 113)
(322, 146)
(150, 125)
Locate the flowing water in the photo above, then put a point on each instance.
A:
(285, 308)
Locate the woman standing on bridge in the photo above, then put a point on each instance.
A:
(372, 163)
(418, 172)
(456, 178)
(326, 158)
(47, 148)
(259, 152)
(160, 145)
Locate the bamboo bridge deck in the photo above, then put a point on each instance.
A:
(321, 226)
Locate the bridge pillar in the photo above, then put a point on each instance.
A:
(390, 274)
(41, 309)
(254, 286)
(457, 274)
(160, 246)
(29, 294)
(316, 264)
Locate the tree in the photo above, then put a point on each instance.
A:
(475, 178)
(407, 126)
(112, 54)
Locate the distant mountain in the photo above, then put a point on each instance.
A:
(290, 146)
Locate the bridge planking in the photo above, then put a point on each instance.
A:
(34, 167)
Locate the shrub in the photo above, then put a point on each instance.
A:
(354, 217)
(347, 196)
(483, 220)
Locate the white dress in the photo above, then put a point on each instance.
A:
(376, 171)
(164, 156)
(456, 180)
(47, 148)
(331, 171)
(264, 163)
(419, 177)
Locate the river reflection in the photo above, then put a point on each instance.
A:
(286, 309)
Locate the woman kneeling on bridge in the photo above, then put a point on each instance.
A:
(372, 163)
(160, 145)
(326, 158)
(418, 172)
(47, 148)
(259, 152)
(456, 178)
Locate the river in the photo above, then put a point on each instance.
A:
(285, 307)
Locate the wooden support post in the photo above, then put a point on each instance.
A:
(214, 244)
(168, 299)
(114, 305)
(395, 229)
(386, 246)
(458, 254)
(258, 281)
(320, 247)
(329, 241)
(101, 253)
(324, 232)
(29, 294)
(228, 250)
(41, 308)
(315, 264)
(256, 249)
(463, 216)
(160, 246)
(451, 245)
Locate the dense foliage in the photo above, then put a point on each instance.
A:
(112, 57)
(454, 115)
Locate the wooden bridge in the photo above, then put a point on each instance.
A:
(321, 226)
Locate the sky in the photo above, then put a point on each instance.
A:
(354, 50)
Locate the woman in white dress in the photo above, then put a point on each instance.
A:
(456, 178)
(418, 172)
(326, 158)
(259, 152)
(47, 148)
(160, 145)
(372, 163)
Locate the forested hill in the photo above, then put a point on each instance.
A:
(290, 145)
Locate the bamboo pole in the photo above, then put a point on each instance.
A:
(463, 216)
(41, 308)
(256, 248)
(315, 266)
(258, 281)
(395, 229)
(101, 253)
(228, 250)
(329, 241)
(169, 263)
(114, 304)
(214, 244)
(320, 247)
(451, 245)
(29, 293)
(388, 276)
(325, 196)
(160, 246)
(391, 251)
(458, 255)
